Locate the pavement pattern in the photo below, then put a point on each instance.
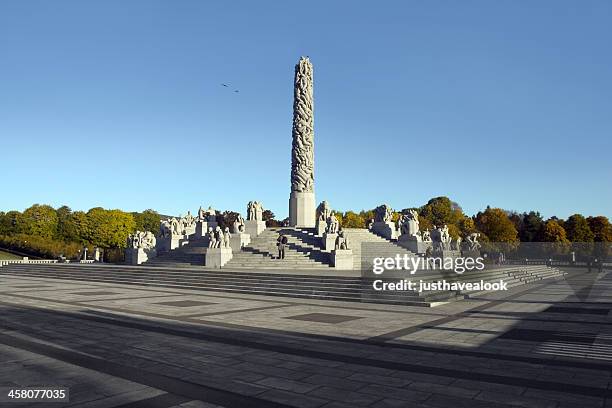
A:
(546, 344)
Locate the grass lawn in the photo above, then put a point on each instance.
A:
(6, 255)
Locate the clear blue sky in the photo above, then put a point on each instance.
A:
(119, 104)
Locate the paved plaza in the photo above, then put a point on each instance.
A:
(544, 344)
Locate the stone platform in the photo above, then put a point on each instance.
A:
(539, 345)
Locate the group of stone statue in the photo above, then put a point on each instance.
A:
(238, 225)
(439, 237)
(408, 224)
(177, 226)
(255, 211)
(472, 241)
(141, 239)
(323, 211)
(383, 213)
(218, 238)
(209, 215)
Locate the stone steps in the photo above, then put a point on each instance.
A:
(356, 289)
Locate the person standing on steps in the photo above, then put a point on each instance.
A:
(281, 243)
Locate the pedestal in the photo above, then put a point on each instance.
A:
(136, 256)
(413, 244)
(171, 242)
(238, 240)
(385, 229)
(254, 228)
(217, 257)
(202, 228)
(302, 209)
(342, 258)
(329, 241)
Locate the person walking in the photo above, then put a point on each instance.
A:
(281, 243)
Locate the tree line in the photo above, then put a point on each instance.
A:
(42, 230)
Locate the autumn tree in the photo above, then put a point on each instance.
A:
(496, 225)
(351, 219)
(578, 229)
(555, 238)
(601, 228)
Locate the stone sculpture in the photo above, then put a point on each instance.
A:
(408, 224)
(458, 244)
(323, 211)
(383, 213)
(188, 220)
(302, 152)
(342, 241)
(426, 236)
(333, 225)
(141, 239)
(218, 237)
(174, 226)
(226, 238)
(441, 238)
(254, 211)
(472, 241)
(201, 214)
(210, 215)
(165, 229)
(302, 200)
(238, 225)
(212, 240)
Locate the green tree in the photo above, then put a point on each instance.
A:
(441, 210)
(532, 227)
(148, 220)
(578, 229)
(496, 225)
(11, 223)
(65, 227)
(601, 228)
(109, 228)
(40, 220)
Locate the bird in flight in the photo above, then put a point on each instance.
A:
(225, 85)
(236, 91)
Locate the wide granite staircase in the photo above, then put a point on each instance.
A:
(366, 246)
(313, 286)
(303, 251)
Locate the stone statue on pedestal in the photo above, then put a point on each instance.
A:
(254, 211)
(238, 225)
(212, 240)
(342, 241)
(165, 229)
(333, 225)
(226, 238)
(383, 213)
(472, 241)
